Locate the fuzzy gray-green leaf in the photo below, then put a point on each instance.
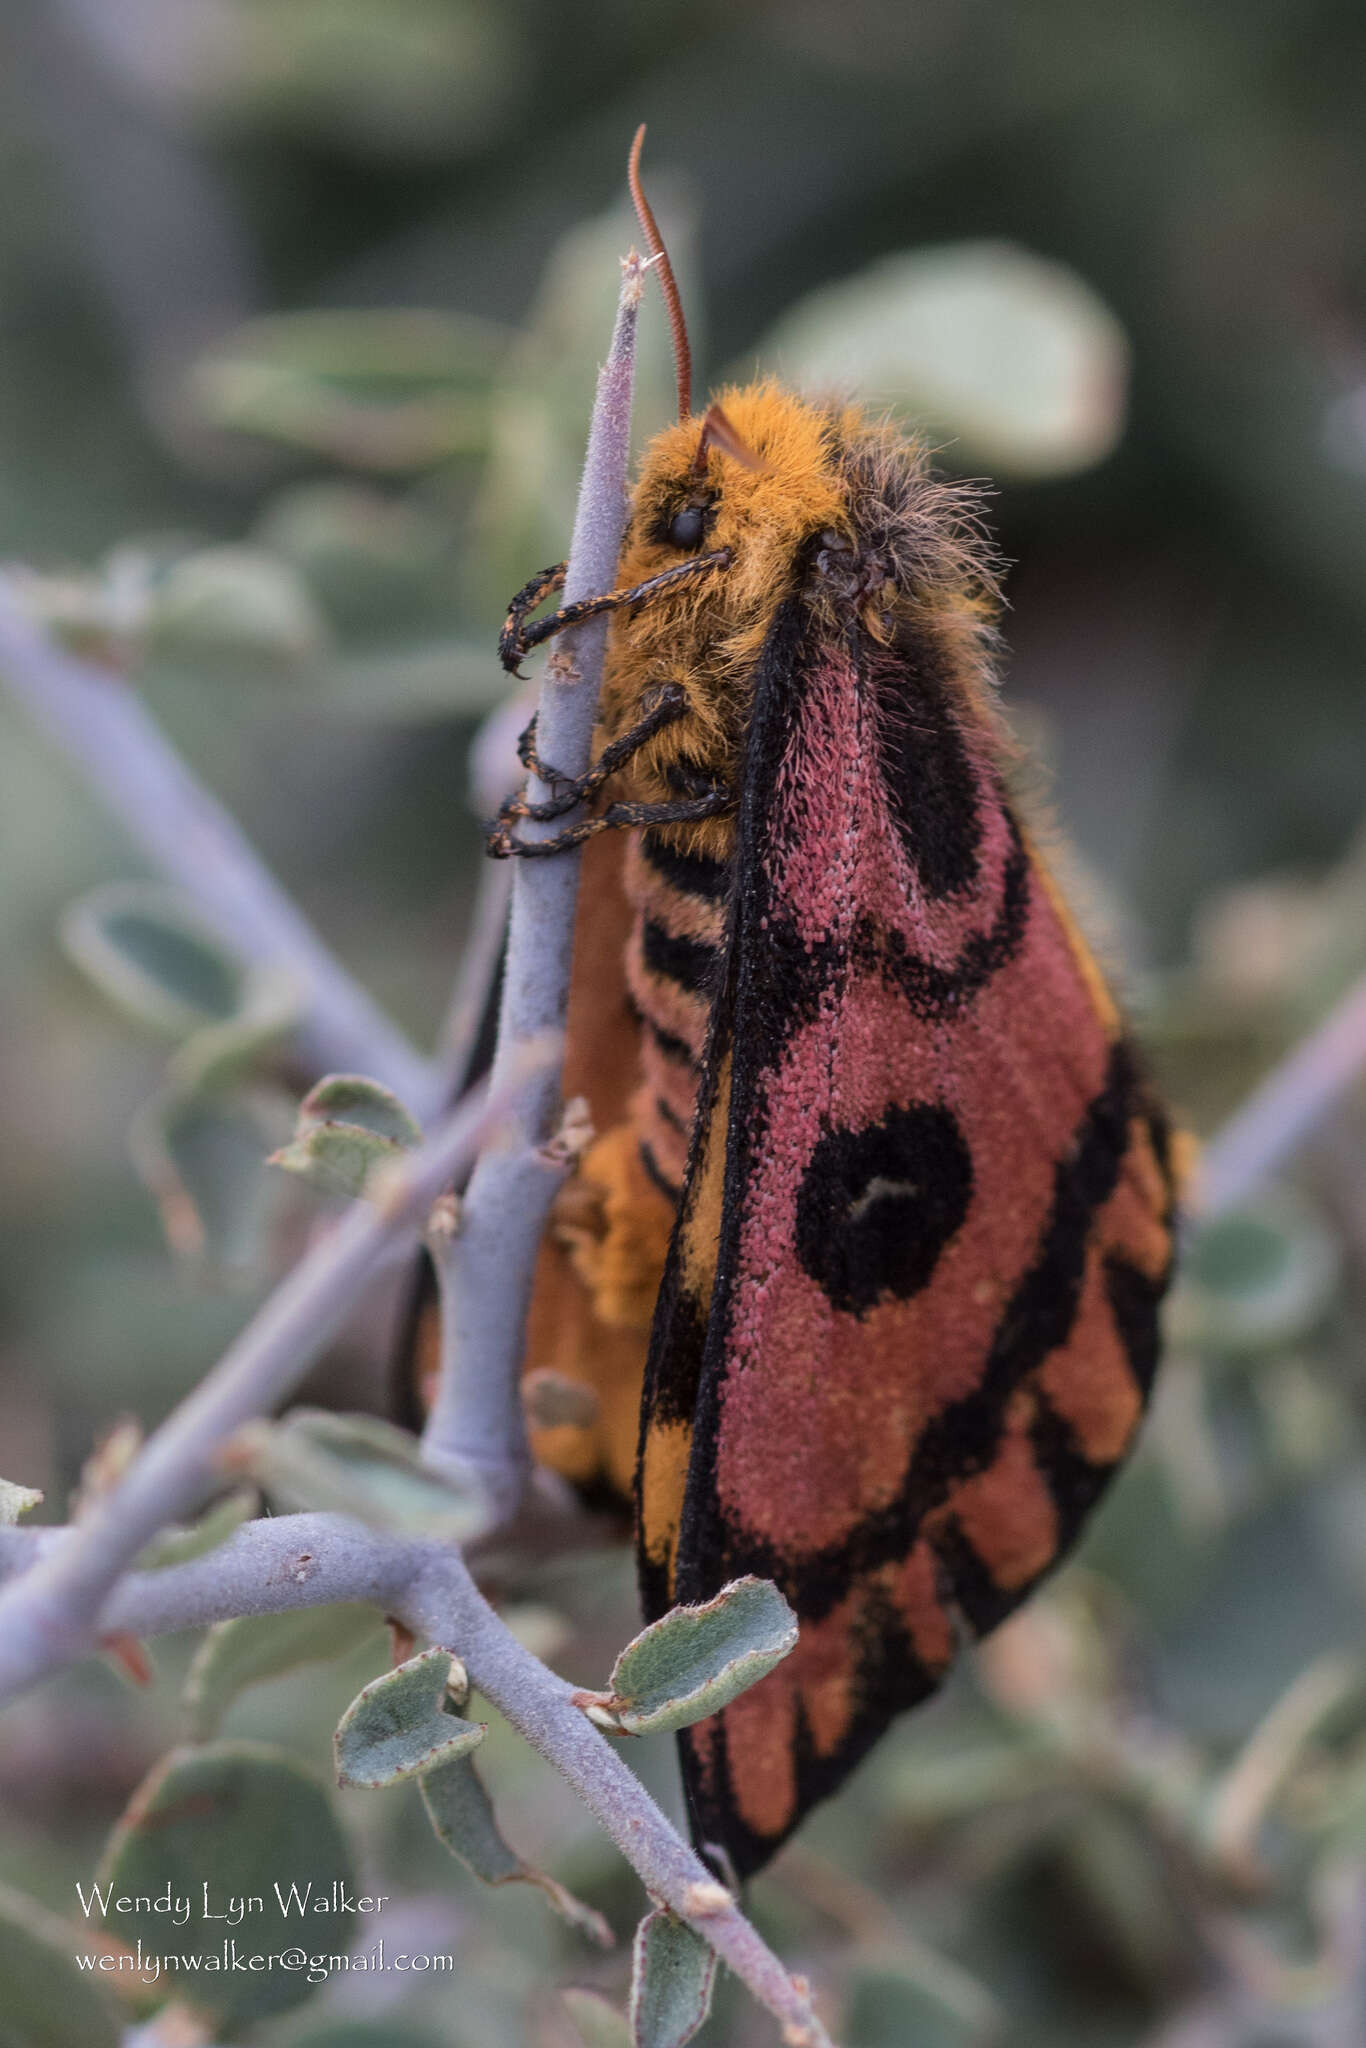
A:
(348, 1125)
(146, 948)
(396, 1728)
(671, 1981)
(355, 1465)
(254, 1647)
(48, 2002)
(177, 1544)
(694, 1660)
(462, 1817)
(240, 1817)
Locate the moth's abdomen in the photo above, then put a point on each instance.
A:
(674, 960)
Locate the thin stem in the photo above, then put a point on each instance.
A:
(49, 1616)
(293, 1561)
(1285, 1108)
(486, 1271)
(99, 722)
(444, 1605)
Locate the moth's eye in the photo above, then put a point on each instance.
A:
(686, 527)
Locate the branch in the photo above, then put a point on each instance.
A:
(294, 1561)
(1285, 1108)
(485, 1271)
(265, 1567)
(99, 722)
(50, 1615)
(444, 1605)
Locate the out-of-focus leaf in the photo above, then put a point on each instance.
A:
(462, 1816)
(243, 1652)
(218, 1054)
(396, 1727)
(234, 608)
(348, 1126)
(673, 1972)
(1255, 1280)
(242, 1818)
(355, 1099)
(888, 2009)
(177, 1545)
(48, 2001)
(16, 1501)
(443, 679)
(389, 391)
(145, 947)
(599, 2023)
(366, 2034)
(693, 1660)
(355, 1465)
(368, 558)
(1012, 356)
(204, 1159)
(411, 79)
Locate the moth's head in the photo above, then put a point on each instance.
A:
(754, 479)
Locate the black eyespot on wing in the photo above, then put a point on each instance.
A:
(876, 1207)
(687, 527)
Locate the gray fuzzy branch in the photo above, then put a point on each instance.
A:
(296, 1561)
(485, 1271)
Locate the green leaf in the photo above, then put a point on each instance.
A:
(370, 558)
(462, 1816)
(337, 1159)
(355, 1099)
(212, 1057)
(145, 947)
(599, 2023)
(672, 1977)
(232, 608)
(1257, 1279)
(179, 1543)
(204, 1159)
(16, 1501)
(355, 1465)
(888, 2009)
(348, 1126)
(694, 1660)
(365, 2034)
(396, 1727)
(385, 391)
(1010, 355)
(235, 1655)
(242, 1818)
(48, 2001)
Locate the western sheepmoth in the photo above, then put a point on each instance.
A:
(864, 1265)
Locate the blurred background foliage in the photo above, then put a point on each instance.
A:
(300, 305)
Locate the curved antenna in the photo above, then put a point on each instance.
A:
(668, 283)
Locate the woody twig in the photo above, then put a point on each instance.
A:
(485, 1268)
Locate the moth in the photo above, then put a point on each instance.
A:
(864, 1264)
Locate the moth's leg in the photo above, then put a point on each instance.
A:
(517, 638)
(511, 642)
(665, 706)
(717, 799)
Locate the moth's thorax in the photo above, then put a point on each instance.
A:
(841, 508)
